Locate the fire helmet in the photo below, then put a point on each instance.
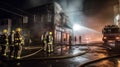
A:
(18, 29)
(50, 33)
(5, 31)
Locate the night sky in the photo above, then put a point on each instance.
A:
(89, 7)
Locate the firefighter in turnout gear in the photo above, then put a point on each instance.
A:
(44, 40)
(4, 42)
(18, 42)
(50, 42)
(11, 43)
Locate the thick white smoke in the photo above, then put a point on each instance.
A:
(92, 19)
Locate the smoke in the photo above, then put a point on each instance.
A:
(93, 15)
(78, 10)
(35, 3)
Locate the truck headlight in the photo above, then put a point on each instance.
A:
(117, 38)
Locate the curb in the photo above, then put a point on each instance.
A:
(57, 57)
(48, 58)
(62, 57)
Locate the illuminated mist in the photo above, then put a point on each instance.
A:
(91, 15)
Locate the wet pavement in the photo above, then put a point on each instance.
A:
(60, 52)
(32, 54)
(63, 56)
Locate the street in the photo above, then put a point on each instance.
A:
(63, 56)
(59, 33)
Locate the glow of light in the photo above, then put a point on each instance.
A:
(76, 27)
(64, 48)
(85, 30)
(87, 40)
(76, 51)
(117, 17)
(118, 63)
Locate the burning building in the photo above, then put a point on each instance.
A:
(49, 17)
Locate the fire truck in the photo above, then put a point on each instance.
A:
(111, 37)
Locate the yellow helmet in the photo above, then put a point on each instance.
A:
(5, 31)
(18, 29)
(50, 33)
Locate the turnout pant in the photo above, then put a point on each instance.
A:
(11, 51)
(18, 50)
(50, 47)
(4, 49)
(45, 45)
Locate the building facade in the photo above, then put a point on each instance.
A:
(50, 17)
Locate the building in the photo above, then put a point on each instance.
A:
(50, 17)
(12, 18)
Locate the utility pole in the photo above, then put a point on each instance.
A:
(118, 12)
(118, 16)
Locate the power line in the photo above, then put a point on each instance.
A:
(11, 6)
(11, 12)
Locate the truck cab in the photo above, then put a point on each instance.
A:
(111, 36)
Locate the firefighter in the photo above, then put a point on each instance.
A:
(80, 39)
(11, 43)
(50, 42)
(75, 39)
(44, 40)
(4, 42)
(70, 40)
(18, 41)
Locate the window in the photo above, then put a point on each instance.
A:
(49, 17)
